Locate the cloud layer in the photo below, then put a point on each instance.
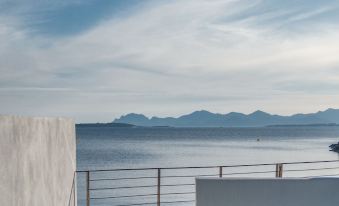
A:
(172, 57)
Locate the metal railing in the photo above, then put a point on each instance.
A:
(176, 185)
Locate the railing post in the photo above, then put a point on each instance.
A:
(88, 202)
(159, 185)
(220, 171)
(279, 170)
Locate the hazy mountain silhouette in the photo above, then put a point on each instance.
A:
(256, 119)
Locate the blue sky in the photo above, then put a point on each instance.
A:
(96, 60)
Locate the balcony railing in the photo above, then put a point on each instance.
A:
(176, 185)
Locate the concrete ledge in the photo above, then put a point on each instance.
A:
(37, 161)
(267, 192)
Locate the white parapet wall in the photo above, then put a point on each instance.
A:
(267, 192)
(37, 161)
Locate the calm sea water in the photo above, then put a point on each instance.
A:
(164, 147)
(109, 148)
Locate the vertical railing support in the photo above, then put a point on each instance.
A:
(220, 171)
(158, 187)
(88, 198)
(279, 170)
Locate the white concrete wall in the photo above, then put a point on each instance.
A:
(37, 161)
(267, 192)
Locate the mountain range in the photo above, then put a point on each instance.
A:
(258, 118)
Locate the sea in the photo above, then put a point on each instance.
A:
(105, 148)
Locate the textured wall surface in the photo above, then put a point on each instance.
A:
(267, 192)
(37, 161)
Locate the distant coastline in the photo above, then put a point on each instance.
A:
(305, 125)
(203, 118)
(124, 125)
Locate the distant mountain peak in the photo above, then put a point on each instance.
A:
(202, 112)
(259, 112)
(234, 114)
(132, 118)
(135, 115)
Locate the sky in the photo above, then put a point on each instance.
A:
(96, 60)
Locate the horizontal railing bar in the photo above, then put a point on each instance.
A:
(311, 169)
(247, 173)
(122, 178)
(254, 172)
(153, 203)
(321, 176)
(309, 162)
(177, 185)
(207, 167)
(141, 195)
(180, 176)
(180, 201)
(125, 187)
(135, 187)
(178, 193)
(124, 196)
(135, 204)
(136, 178)
(235, 173)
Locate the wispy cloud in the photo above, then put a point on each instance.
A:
(183, 55)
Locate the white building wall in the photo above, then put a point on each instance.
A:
(37, 161)
(267, 192)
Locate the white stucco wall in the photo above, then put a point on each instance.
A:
(37, 161)
(267, 192)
